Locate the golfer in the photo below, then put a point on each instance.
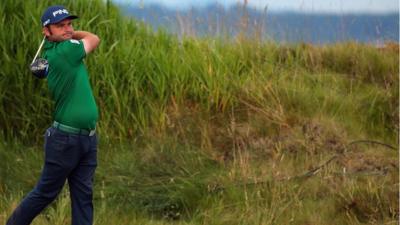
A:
(70, 142)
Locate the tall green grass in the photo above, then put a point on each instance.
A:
(206, 131)
(137, 73)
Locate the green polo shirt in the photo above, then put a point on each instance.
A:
(69, 85)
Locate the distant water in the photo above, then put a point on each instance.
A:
(215, 20)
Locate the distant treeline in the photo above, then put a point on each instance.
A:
(216, 20)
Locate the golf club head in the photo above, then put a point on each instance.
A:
(40, 68)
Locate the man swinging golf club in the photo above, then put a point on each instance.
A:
(71, 142)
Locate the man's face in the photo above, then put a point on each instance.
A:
(60, 31)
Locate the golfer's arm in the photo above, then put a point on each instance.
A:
(90, 41)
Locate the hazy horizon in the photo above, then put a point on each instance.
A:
(301, 6)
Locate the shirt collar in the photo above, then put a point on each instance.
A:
(49, 44)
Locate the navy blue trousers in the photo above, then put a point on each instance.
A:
(71, 157)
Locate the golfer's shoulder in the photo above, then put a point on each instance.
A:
(72, 43)
(72, 49)
(71, 46)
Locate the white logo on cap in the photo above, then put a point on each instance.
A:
(46, 22)
(60, 11)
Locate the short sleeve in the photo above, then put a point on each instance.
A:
(73, 50)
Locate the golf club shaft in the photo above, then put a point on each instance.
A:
(37, 53)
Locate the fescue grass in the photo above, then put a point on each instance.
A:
(210, 131)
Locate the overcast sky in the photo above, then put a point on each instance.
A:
(336, 6)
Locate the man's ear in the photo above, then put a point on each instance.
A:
(46, 31)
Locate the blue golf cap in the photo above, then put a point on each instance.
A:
(55, 14)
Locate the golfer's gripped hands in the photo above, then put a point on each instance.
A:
(90, 41)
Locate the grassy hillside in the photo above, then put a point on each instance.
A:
(205, 131)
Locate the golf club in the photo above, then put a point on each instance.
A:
(39, 66)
